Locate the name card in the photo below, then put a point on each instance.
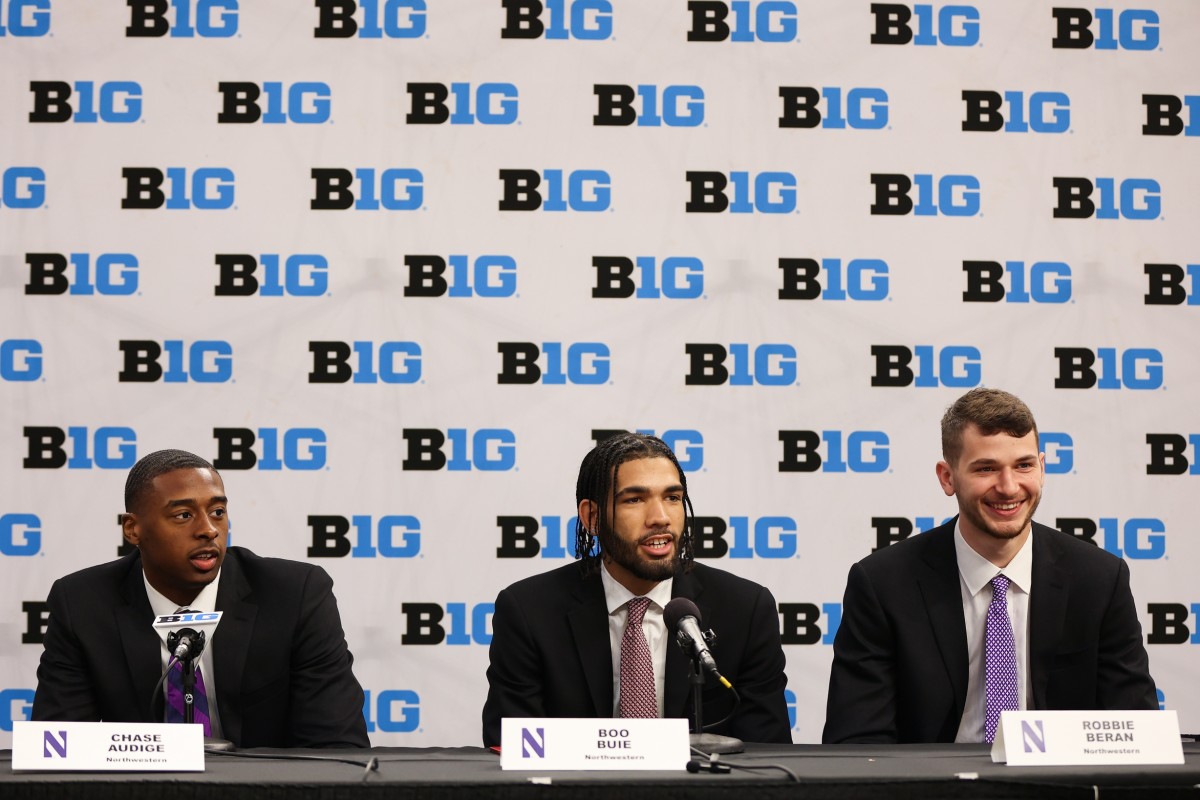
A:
(108, 747)
(569, 743)
(1087, 737)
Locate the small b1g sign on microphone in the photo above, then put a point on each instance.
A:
(199, 621)
(586, 744)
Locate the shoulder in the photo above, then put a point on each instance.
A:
(1072, 552)
(718, 580)
(561, 580)
(934, 543)
(257, 569)
(104, 578)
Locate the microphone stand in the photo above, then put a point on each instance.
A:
(189, 691)
(706, 742)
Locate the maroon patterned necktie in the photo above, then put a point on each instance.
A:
(638, 698)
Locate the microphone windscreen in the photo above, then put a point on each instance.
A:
(677, 609)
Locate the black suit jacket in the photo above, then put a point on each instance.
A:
(550, 653)
(283, 671)
(900, 654)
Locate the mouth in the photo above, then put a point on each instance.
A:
(205, 560)
(658, 544)
(1006, 509)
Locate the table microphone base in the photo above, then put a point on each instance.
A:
(712, 743)
(212, 745)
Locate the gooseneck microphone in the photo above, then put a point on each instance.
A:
(185, 644)
(682, 616)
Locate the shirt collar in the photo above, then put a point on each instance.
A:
(616, 595)
(206, 601)
(977, 572)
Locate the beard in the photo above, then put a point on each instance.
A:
(614, 548)
(984, 525)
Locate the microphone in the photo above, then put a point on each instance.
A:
(185, 644)
(682, 616)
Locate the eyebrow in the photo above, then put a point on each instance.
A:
(674, 488)
(219, 499)
(979, 462)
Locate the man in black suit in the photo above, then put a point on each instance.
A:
(909, 658)
(278, 664)
(557, 637)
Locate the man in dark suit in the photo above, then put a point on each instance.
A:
(558, 638)
(278, 664)
(910, 660)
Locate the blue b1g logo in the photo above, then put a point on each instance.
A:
(486, 276)
(1105, 29)
(857, 108)
(947, 196)
(111, 447)
(753, 537)
(582, 190)
(24, 18)
(675, 277)
(437, 103)
(186, 19)
(742, 21)
(114, 274)
(486, 450)
(394, 711)
(1137, 539)
(585, 20)
(648, 105)
(1039, 282)
(393, 536)
(1042, 112)
(925, 25)
(956, 366)
(20, 360)
(579, 363)
(862, 279)
(764, 193)
(855, 451)
(274, 103)
(1108, 368)
(207, 188)
(391, 19)
(1060, 452)
(16, 705)
(111, 101)
(365, 362)
(765, 365)
(1132, 198)
(292, 448)
(22, 187)
(392, 189)
(20, 535)
(299, 275)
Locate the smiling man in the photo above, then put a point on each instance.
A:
(276, 673)
(588, 639)
(990, 612)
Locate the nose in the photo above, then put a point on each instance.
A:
(205, 527)
(1006, 482)
(656, 514)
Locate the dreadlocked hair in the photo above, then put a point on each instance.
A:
(597, 479)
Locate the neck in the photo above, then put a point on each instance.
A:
(639, 586)
(999, 551)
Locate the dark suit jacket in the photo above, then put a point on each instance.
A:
(900, 654)
(550, 653)
(283, 672)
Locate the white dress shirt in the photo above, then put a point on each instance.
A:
(617, 598)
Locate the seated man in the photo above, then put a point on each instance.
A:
(277, 672)
(560, 644)
(990, 612)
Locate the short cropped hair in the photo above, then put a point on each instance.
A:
(160, 462)
(992, 411)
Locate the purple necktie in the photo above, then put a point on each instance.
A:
(1000, 660)
(175, 698)
(638, 698)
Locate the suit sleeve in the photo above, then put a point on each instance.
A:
(1123, 679)
(861, 707)
(65, 691)
(514, 670)
(326, 699)
(762, 714)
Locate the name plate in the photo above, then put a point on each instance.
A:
(569, 743)
(1088, 737)
(108, 746)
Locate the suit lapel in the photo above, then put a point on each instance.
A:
(678, 687)
(588, 619)
(1047, 611)
(232, 642)
(939, 583)
(141, 645)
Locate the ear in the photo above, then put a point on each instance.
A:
(945, 477)
(129, 528)
(1042, 462)
(587, 515)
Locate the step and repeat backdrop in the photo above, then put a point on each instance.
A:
(394, 266)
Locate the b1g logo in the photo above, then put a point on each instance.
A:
(672, 106)
(394, 711)
(16, 705)
(20, 360)
(468, 623)
(1169, 623)
(687, 445)
(1169, 454)
(675, 278)
(947, 196)
(393, 189)
(863, 109)
(1041, 112)
(519, 537)
(382, 362)
(855, 451)
(925, 25)
(863, 279)
(115, 274)
(1166, 285)
(1132, 198)
(208, 19)
(800, 623)
(579, 363)
(761, 21)
(1164, 115)
(274, 103)
(211, 188)
(585, 20)
(22, 187)
(585, 190)
(48, 448)
(1039, 282)
(1105, 29)
(889, 530)
(299, 275)
(1108, 368)
(24, 18)
(764, 193)
(761, 537)
(292, 448)
(392, 19)
(1060, 452)
(204, 361)
(392, 536)
(1141, 538)
(494, 104)
(20, 535)
(486, 450)
(112, 101)
(765, 365)
(486, 276)
(955, 366)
